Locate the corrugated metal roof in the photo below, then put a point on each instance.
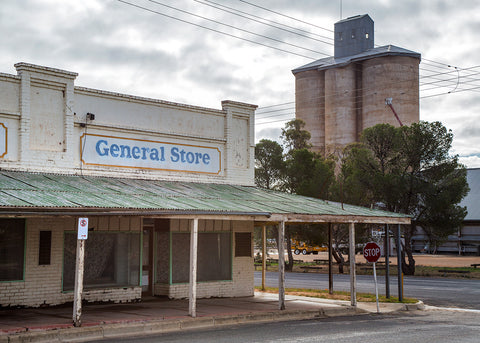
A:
(23, 192)
(331, 62)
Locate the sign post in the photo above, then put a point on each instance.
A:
(372, 253)
(79, 266)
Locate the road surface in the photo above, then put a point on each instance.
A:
(462, 293)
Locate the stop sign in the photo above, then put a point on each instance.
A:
(371, 252)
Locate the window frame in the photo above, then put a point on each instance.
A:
(95, 287)
(24, 250)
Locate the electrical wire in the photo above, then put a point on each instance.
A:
(371, 90)
(264, 21)
(284, 15)
(438, 83)
(214, 30)
(236, 28)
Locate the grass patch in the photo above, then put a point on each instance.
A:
(337, 295)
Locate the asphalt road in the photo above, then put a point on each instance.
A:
(444, 292)
(418, 326)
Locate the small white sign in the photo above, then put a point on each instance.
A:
(82, 228)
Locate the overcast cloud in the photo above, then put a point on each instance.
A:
(117, 47)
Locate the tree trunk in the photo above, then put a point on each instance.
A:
(289, 264)
(337, 255)
(408, 266)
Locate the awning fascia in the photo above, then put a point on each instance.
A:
(346, 219)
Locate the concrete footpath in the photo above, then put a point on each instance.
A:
(157, 315)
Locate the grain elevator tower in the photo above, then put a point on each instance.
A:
(338, 97)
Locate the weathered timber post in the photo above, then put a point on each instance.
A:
(192, 291)
(281, 266)
(353, 274)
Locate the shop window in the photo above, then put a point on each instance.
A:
(12, 249)
(111, 260)
(44, 248)
(214, 257)
(243, 244)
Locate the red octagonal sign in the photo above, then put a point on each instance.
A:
(372, 252)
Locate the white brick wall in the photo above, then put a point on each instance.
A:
(242, 283)
(42, 284)
(45, 95)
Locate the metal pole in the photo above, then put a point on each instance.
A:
(399, 265)
(281, 266)
(264, 254)
(192, 291)
(330, 272)
(77, 297)
(353, 276)
(387, 261)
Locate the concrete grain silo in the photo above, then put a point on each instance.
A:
(338, 97)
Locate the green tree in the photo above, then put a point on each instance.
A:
(294, 136)
(309, 174)
(306, 173)
(409, 170)
(269, 164)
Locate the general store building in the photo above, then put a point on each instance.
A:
(163, 185)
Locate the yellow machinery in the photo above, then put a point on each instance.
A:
(305, 249)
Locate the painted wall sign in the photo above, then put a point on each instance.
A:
(3, 140)
(100, 150)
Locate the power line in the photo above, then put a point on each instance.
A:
(438, 81)
(236, 28)
(367, 90)
(263, 21)
(286, 16)
(214, 30)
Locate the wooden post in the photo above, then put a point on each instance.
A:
(192, 291)
(281, 266)
(77, 296)
(353, 276)
(387, 261)
(399, 264)
(330, 261)
(376, 285)
(264, 254)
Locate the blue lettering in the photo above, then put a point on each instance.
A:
(114, 149)
(190, 157)
(198, 156)
(154, 154)
(144, 152)
(206, 159)
(136, 152)
(175, 157)
(103, 152)
(125, 151)
(182, 153)
(162, 153)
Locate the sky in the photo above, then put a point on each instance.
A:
(200, 52)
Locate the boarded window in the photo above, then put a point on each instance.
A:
(44, 247)
(214, 257)
(243, 244)
(12, 247)
(112, 259)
